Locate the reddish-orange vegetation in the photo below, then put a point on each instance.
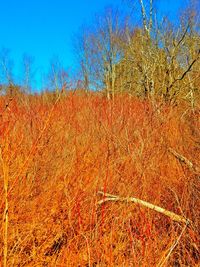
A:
(57, 155)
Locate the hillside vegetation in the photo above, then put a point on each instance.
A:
(57, 154)
(102, 167)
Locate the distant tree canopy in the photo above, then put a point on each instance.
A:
(153, 60)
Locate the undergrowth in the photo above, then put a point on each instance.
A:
(57, 155)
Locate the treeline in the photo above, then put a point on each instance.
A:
(154, 59)
(29, 79)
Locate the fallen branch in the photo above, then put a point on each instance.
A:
(172, 215)
(186, 161)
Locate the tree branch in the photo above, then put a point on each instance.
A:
(186, 71)
(144, 16)
(172, 215)
(183, 159)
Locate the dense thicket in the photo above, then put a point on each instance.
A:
(55, 157)
(62, 152)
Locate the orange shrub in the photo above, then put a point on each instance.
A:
(59, 155)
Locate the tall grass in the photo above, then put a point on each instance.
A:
(55, 157)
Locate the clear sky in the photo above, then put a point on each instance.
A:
(45, 28)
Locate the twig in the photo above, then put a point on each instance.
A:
(186, 71)
(5, 214)
(172, 215)
(183, 159)
(162, 262)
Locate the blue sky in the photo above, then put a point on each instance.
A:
(44, 29)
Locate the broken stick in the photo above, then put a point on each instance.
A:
(186, 161)
(172, 215)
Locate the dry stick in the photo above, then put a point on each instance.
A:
(162, 262)
(172, 215)
(186, 71)
(5, 215)
(183, 159)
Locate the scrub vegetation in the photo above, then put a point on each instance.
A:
(106, 177)
(56, 156)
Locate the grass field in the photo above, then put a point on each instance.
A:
(57, 154)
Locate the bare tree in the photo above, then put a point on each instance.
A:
(6, 70)
(182, 48)
(147, 20)
(99, 52)
(57, 76)
(27, 72)
(160, 59)
(82, 50)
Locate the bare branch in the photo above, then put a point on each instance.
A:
(151, 16)
(144, 16)
(172, 215)
(186, 71)
(186, 161)
(183, 36)
(163, 261)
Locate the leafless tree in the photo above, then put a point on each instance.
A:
(160, 59)
(6, 69)
(27, 72)
(57, 76)
(99, 52)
